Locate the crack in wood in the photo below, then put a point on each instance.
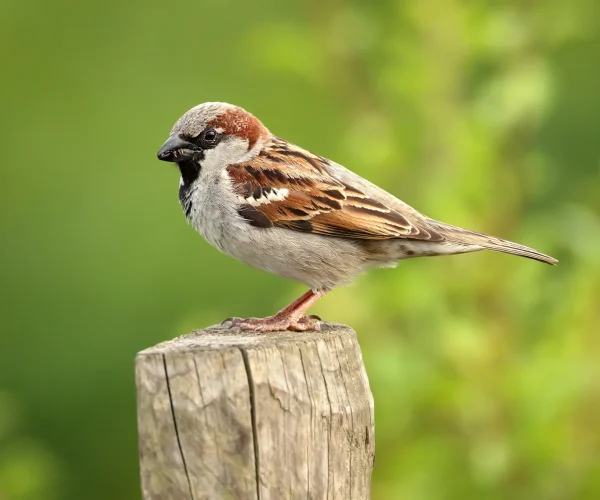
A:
(251, 390)
(330, 419)
(187, 475)
(311, 421)
(224, 485)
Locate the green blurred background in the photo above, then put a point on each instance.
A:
(484, 367)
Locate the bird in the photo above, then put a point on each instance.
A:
(280, 208)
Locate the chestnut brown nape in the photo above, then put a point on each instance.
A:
(237, 121)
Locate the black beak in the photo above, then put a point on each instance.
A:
(177, 149)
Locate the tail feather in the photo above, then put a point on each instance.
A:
(463, 236)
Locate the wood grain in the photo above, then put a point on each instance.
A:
(225, 414)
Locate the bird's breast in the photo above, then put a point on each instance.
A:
(210, 207)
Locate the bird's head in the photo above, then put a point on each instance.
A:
(212, 136)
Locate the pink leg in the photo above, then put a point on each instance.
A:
(289, 318)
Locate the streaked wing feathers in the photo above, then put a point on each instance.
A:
(289, 187)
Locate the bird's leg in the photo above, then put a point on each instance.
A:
(301, 304)
(289, 318)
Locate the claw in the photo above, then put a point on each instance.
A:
(313, 317)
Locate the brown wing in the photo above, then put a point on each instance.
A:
(286, 186)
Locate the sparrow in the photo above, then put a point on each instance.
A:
(278, 207)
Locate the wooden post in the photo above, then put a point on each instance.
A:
(225, 414)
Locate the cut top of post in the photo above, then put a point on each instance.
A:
(216, 337)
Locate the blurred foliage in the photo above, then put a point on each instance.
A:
(483, 114)
(28, 471)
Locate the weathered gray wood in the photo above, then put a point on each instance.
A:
(224, 414)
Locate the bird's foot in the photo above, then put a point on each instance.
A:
(275, 323)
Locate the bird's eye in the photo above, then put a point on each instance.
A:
(209, 138)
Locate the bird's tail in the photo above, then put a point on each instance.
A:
(458, 235)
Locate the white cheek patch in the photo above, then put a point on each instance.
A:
(227, 152)
(271, 196)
